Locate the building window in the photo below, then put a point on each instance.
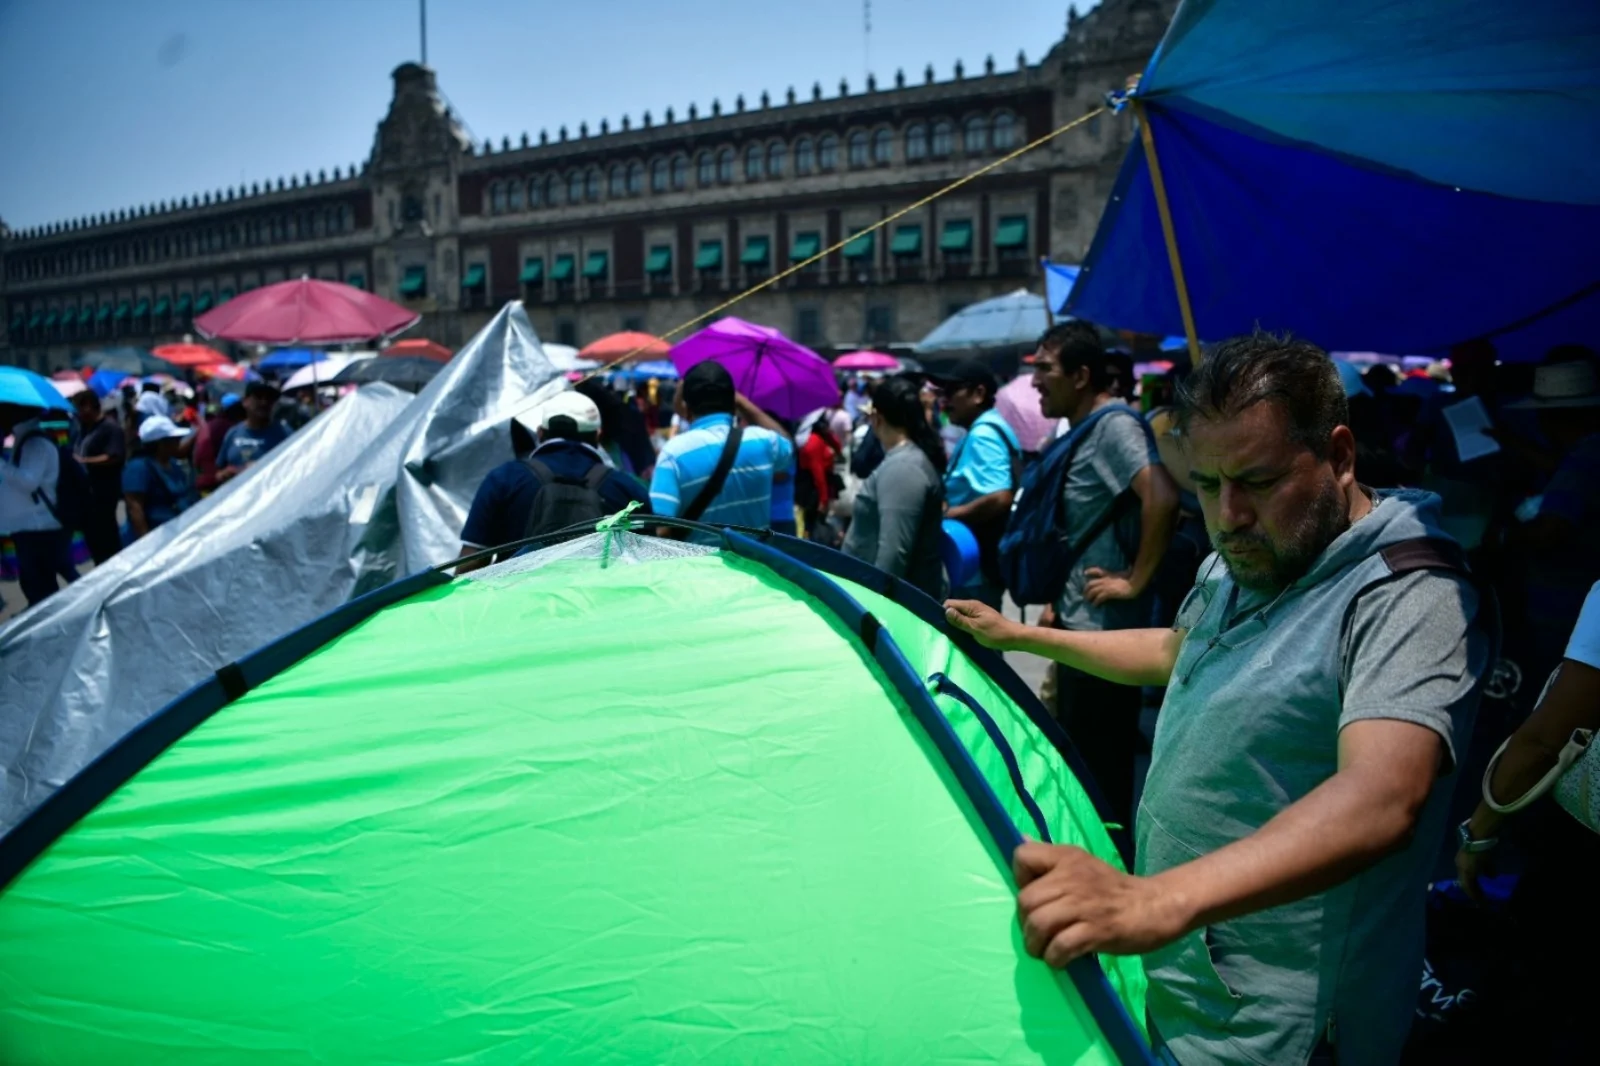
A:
(827, 152)
(754, 163)
(513, 198)
(1011, 245)
(808, 326)
(944, 136)
(775, 159)
(879, 325)
(680, 173)
(658, 175)
(618, 182)
(706, 168)
(567, 333)
(804, 159)
(591, 184)
(635, 179)
(725, 166)
(975, 136)
(882, 147)
(535, 188)
(1005, 132)
(658, 268)
(708, 263)
(858, 149)
(552, 191)
(575, 187)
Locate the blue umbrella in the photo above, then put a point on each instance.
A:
(292, 358)
(128, 360)
(104, 382)
(655, 368)
(27, 389)
(1014, 319)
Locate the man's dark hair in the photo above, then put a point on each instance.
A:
(1077, 344)
(708, 389)
(150, 386)
(1246, 370)
(564, 427)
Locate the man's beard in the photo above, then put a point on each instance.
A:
(1274, 566)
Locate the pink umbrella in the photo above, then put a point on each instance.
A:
(307, 312)
(1018, 404)
(777, 374)
(866, 361)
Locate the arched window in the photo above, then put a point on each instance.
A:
(497, 198)
(916, 142)
(775, 159)
(975, 136)
(658, 175)
(514, 195)
(706, 167)
(882, 147)
(858, 148)
(552, 190)
(944, 136)
(827, 152)
(805, 159)
(725, 166)
(591, 184)
(635, 179)
(680, 172)
(754, 163)
(575, 187)
(618, 183)
(1004, 134)
(535, 188)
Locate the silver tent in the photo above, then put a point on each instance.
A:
(375, 488)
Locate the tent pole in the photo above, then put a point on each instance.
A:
(1147, 138)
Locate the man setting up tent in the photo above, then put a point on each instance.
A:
(1321, 678)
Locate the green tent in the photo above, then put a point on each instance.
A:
(620, 800)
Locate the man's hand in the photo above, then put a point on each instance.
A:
(1469, 867)
(1071, 904)
(991, 628)
(1104, 586)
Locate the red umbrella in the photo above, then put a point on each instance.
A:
(641, 346)
(420, 346)
(190, 355)
(306, 312)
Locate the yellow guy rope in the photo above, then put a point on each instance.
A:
(1159, 187)
(926, 200)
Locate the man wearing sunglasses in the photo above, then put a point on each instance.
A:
(1320, 680)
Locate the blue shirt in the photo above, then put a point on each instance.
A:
(168, 491)
(783, 495)
(687, 460)
(982, 461)
(504, 501)
(243, 445)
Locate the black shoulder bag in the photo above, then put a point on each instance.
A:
(708, 491)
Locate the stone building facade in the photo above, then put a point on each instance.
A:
(640, 225)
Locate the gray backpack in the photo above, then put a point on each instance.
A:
(565, 501)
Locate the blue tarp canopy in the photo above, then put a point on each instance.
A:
(1370, 174)
(1058, 281)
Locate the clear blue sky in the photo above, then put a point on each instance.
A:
(114, 103)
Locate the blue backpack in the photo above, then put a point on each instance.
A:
(1035, 557)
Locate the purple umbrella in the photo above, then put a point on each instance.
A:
(778, 375)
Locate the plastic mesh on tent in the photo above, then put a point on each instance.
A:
(619, 801)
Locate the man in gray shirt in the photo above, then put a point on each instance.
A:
(1114, 465)
(1321, 679)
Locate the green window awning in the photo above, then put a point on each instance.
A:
(805, 246)
(18, 319)
(355, 281)
(907, 241)
(224, 295)
(475, 277)
(202, 303)
(50, 319)
(163, 305)
(859, 247)
(37, 320)
(141, 308)
(595, 265)
(122, 311)
(709, 257)
(86, 314)
(415, 279)
(957, 237)
(659, 261)
(532, 271)
(757, 251)
(183, 305)
(1011, 232)
(564, 267)
(103, 314)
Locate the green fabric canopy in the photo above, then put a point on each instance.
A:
(163, 305)
(224, 294)
(50, 318)
(564, 267)
(1011, 232)
(202, 303)
(355, 281)
(532, 271)
(957, 236)
(85, 314)
(474, 277)
(860, 246)
(659, 261)
(142, 308)
(595, 265)
(709, 257)
(122, 311)
(757, 251)
(103, 314)
(516, 817)
(414, 281)
(907, 240)
(805, 246)
(184, 305)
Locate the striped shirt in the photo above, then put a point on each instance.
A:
(687, 460)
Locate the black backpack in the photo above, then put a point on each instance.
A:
(565, 501)
(69, 504)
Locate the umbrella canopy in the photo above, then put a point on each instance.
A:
(291, 358)
(306, 311)
(227, 372)
(128, 360)
(69, 375)
(1017, 318)
(776, 373)
(321, 372)
(866, 361)
(196, 355)
(565, 357)
(1321, 156)
(24, 388)
(419, 346)
(105, 382)
(69, 386)
(627, 343)
(655, 368)
(1018, 403)
(407, 372)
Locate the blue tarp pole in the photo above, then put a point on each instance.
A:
(1160, 188)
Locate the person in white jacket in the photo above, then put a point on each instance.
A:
(28, 478)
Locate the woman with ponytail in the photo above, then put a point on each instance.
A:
(899, 508)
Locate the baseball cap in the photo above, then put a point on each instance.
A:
(708, 387)
(966, 372)
(574, 405)
(160, 427)
(229, 399)
(262, 388)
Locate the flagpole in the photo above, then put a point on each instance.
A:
(1147, 137)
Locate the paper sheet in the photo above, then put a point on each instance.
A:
(1467, 421)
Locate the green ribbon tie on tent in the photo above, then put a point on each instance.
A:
(1012, 232)
(532, 271)
(564, 267)
(757, 251)
(659, 261)
(907, 240)
(860, 246)
(142, 308)
(416, 277)
(595, 265)
(162, 307)
(805, 246)
(474, 277)
(122, 311)
(957, 236)
(202, 303)
(709, 257)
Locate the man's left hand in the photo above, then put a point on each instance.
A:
(1104, 586)
(1071, 904)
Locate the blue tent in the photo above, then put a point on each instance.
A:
(1370, 174)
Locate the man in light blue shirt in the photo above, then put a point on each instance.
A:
(983, 472)
(687, 461)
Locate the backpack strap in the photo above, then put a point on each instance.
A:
(713, 485)
(595, 477)
(539, 470)
(39, 495)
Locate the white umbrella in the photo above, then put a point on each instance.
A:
(322, 372)
(564, 357)
(68, 386)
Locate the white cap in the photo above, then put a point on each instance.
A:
(573, 405)
(160, 427)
